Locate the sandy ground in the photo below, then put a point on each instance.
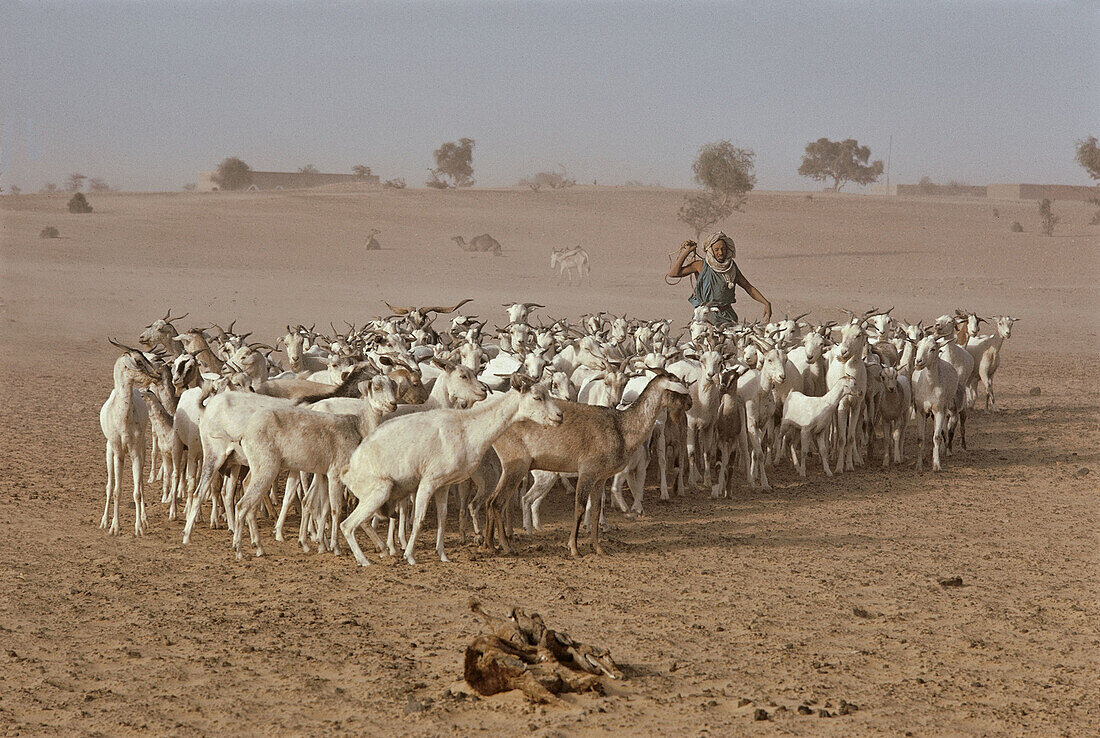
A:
(814, 593)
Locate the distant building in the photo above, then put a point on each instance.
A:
(999, 191)
(936, 190)
(1040, 192)
(286, 180)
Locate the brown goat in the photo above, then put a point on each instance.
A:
(592, 442)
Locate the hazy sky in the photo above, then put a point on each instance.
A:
(146, 94)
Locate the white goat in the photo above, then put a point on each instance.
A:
(755, 389)
(428, 451)
(306, 440)
(934, 385)
(986, 352)
(568, 261)
(124, 418)
(847, 360)
(811, 418)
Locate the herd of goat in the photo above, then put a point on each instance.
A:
(396, 414)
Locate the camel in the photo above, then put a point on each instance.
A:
(484, 242)
(372, 242)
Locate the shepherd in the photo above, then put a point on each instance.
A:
(716, 275)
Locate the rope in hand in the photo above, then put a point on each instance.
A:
(672, 260)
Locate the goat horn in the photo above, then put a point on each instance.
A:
(178, 317)
(530, 305)
(445, 310)
(398, 311)
(800, 317)
(123, 346)
(231, 324)
(165, 318)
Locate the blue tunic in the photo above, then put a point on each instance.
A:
(711, 289)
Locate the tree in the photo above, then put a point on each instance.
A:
(726, 170)
(727, 174)
(1047, 218)
(553, 180)
(453, 164)
(15, 189)
(701, 210)
(75, 182)
(360, 171)
(49, 187)
(96, 184)
(190, 187)
(1088, 156)
(308, 169)
(79, 204)
(397, 183)
(232, 174)
(841, 161)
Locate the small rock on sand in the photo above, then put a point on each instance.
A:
(1084, 471)
(951, 582)
(760, 714)
(1035, 391)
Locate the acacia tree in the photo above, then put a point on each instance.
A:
(553, 180)
(308, 169)
(840, 161)
(1047, 218)
(726, 174)
(75, 182)
(360, 171)
(1088, 156)
(98, 184)
(453, 164)
(232, 174)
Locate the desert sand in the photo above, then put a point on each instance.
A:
(816, 592)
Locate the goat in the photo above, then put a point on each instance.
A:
(847, 360)
(195, 343)
(162, 333)
(731, 433)
(893, 413)
(221, 426)
(567, 261)
(811, 418)
(755, 389)
(808, 361)
(123, 419)
(986, 352)
(307, 440)
(592, 442)
(934, 385)
(160, 419)
(428, 451)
